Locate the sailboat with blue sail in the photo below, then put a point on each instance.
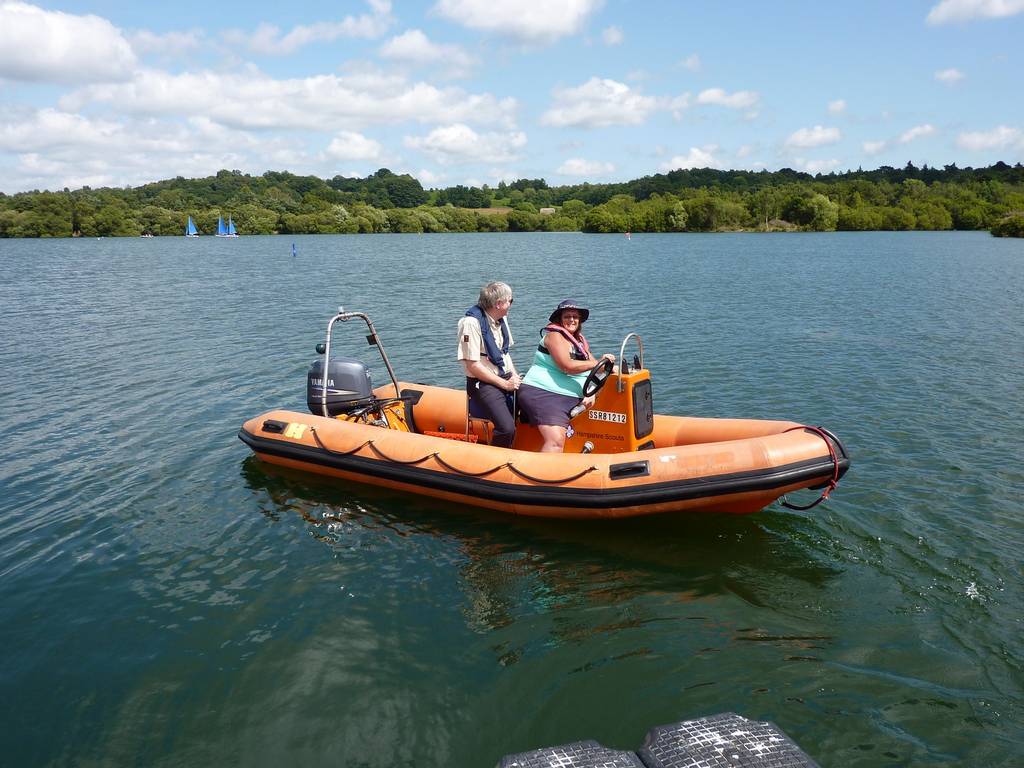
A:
(226, 231)
(190, 229)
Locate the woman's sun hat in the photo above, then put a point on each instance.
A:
(556, 316)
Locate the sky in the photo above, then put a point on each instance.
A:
(109, 93)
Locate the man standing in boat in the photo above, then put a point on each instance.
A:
(491, 377)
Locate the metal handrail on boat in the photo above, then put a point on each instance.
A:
(373, 339)
(621, 385)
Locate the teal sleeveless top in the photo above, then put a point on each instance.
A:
(545, 374)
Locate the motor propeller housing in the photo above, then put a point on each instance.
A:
(349, 386)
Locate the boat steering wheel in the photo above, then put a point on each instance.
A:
(597, 377)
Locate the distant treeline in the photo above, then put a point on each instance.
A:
(698, 200)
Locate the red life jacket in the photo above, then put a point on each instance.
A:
(580, 347)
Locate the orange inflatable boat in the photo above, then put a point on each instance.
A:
(620, 460)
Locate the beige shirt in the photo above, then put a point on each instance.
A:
(471, 343)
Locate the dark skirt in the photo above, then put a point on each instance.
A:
(541, 407)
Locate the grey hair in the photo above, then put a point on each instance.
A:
(494, 292)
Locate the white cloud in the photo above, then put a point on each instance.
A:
(34, 171)
(916, 133)
(54, 149)
(837, 107)
(1001, 137)
(414, 47)
(817, 166)
(745, 151)
(697, 157)
(677, 105)
(818, 136)
(172, 43)
(599, 103)
(586, 168)
(458, 143)
(254, 100)
(949, 76)
(365, 77)
(737, 100)
(692, 62)
(872, 148)
(612, 36)
(429, 179)
(267, 39)
(966, 10)
(498, 175)
(527, 22)
(348, 145)
(51, 129)
(49, 46)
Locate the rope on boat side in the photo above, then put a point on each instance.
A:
(446, 465)
(833, 481)
(384, 456)
(577, 476)
(319, 442)
(511, 466)
(437, 457)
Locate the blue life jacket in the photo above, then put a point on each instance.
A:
(495, 355)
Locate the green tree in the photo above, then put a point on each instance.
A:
(1009, 226)
(492, 222)
(604, 219)
(155, 220)
(370, 219)
(710, 212)
(826, 214)
(251, 219)
(456, 219)
(523, 220)
(574, 209)
(113, 219)
(404, 221)
(897, 218)
(404, 191)
(766, 204)
(861, 219)
(463, 197)
(428, 221)
(701, 199)
(812, 211)
(560, 223)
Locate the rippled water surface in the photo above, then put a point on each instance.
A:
(167, 600)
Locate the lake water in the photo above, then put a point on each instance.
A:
(167, 600)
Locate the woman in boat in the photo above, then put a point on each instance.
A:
(554, 384)
(491, 377)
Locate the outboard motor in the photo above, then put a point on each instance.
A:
(349, 386)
